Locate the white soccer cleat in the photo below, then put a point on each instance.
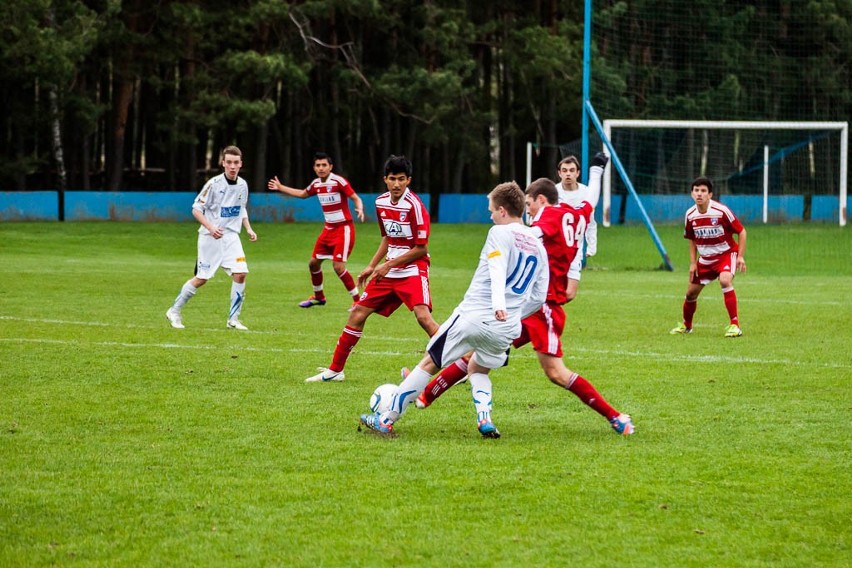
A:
(235, 324)
(173, 316)
(326, 376)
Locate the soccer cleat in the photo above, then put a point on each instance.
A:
(681, 329)
(326, 376)
(173, 316)
(488, 429)
(733, 330)
(600, 159)
(311, 302)
(374, 423)
(236, 324)
(622, 424)
(421, 402)
(351, 308)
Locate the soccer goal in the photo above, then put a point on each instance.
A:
(779, 171)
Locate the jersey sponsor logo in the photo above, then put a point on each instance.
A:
(241, 259)
(328, 198)
(709, 232)
(394, 229)
(231, 211)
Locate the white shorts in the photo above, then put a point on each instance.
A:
(576, 266)
(458, 336)
(226, 253)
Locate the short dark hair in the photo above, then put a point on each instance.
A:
(398, 165)
(323, 156)
(509, 196)
(571, 159)
(545, 187)
(702, 181)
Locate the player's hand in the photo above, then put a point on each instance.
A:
(274, 184)
(500, 315)
(217, 232)
(360, 214)
(252, 235)
(741, 265)
(381, 271)
(364, 276)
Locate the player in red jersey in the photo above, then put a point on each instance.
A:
(399, 271)
(713, 253)
(560, 228)
(337, 239)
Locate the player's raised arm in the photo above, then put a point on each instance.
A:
(596, 171)
(276, 185)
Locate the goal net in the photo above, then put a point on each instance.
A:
(766, 171)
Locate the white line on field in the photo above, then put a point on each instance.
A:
(525, 354)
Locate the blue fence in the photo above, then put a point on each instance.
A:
(453, 208)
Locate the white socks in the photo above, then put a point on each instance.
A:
(406, 393)
(480, 386)
(186, 294)
(238, 292)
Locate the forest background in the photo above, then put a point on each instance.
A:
(142, 95)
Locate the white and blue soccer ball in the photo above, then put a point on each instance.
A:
(380, 400)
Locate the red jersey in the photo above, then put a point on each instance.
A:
(405, 224)
(333, 194)
(562, 229)
(712, 231)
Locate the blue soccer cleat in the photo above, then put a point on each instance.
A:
(488, 429)
(374, 423)
(622, 424)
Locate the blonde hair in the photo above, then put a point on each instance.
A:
(509, 196)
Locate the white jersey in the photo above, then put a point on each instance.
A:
(512, 276)
(576, 198)
(223, 203)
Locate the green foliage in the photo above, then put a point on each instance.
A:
(127, 443)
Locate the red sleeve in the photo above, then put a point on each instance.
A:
(420, 230)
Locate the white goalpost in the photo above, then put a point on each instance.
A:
(841, 127)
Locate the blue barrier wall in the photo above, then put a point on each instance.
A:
(454, 207)
(29, 206)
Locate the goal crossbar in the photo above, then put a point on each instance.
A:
(842, 127)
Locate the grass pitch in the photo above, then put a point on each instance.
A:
(124, 442)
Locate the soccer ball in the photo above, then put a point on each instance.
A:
(381, 398)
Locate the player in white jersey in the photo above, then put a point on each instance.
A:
(573, 193)
(220, 207)
(509, 284)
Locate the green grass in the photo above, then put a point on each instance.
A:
(126, 443)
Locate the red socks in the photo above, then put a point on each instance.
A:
(345, 343)
(591, 397)
(445, 379)
(731, 305)
(688, 312)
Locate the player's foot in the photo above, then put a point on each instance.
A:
(421, 402)
(681, 329)
(311, 302)
(236, 324)
(733, 330)
(374, 423)
(173, 316)
(622, 424)
(600, 159)
(488, 429)
(326, 376)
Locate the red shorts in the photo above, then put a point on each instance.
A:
(335, 243)
(386, 295)
(544, 330)
(709, 269)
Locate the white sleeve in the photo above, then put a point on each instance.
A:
(497, 258)
(538, 294)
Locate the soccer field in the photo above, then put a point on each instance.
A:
(124, 442)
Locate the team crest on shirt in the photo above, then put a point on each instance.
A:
(714, 221)
(402, 216)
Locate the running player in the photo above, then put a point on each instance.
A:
(510, 282)
(560, 229)
(713, 253)
(337, 239)
(399, 271)
(220, 207)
